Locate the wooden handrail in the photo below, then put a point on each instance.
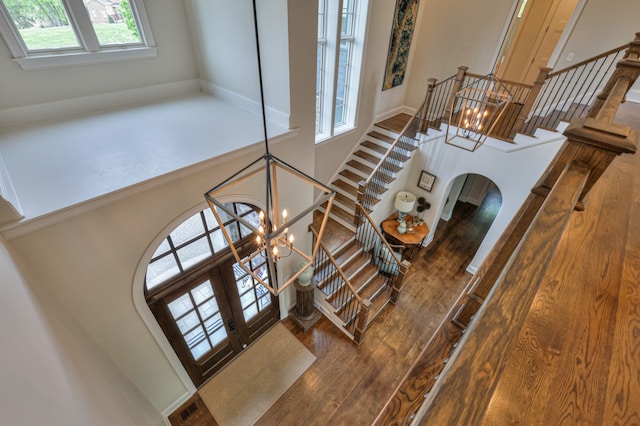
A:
(390, 150)
(588, 61)
(505, 82)
(377, 231)
(468, 380)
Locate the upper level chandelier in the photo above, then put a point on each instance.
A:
(475, 111)
(273, 238)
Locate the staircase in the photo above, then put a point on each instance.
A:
(372, 151)
(353, 284)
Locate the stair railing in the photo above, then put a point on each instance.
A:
(554, 96)
(441, 96)
(355, 308)
(570, 92)
(371, 189)
(389, 262)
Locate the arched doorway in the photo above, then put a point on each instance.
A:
(473, 202)
(208, 307)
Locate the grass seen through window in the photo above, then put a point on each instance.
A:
(61, 37)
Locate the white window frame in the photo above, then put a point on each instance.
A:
(89, 51)
(328, 68)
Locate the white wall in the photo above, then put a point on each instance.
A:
(51, 374)
(87, 262)
(223, 32)
(513, 173)
(454, 33)
(175, 62)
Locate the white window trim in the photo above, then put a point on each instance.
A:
(331, 42)
(90, 52)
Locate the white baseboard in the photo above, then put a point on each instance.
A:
(633, 95)
(243, 102)
(472, 269)
(94, 103)
(173, 407)
(394, 111)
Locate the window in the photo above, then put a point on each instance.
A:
(339, 57)
(195, 240)
(55, 33)
(208, 306)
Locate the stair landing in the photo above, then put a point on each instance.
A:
(396, 123)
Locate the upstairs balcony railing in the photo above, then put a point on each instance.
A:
(554, 96)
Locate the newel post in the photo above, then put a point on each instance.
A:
(531, 99)
(398, 282)
(424, 114)
(362, 320)
(457, 85)
(628, 67)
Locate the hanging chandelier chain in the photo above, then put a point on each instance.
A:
(262, 106)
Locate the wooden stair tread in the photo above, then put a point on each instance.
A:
(382, 137)
(395, 123)
(347, 254)
(372, 286)
(341, 213)
(346, 201)
(374, 146)
(344, 186)
(389, 140)
(361, 167)
(373, 159)
(353, 177)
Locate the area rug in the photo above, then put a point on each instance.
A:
(244, 390)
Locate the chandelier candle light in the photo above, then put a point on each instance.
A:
(274, 241)
(475, 111)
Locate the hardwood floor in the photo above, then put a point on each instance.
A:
(576, 359)
(350, 384)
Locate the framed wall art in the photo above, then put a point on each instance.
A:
(426, 181)
(404, 19)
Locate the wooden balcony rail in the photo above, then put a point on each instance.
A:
(465, 390)
(554, 96)
(468, 380)
(499, 296)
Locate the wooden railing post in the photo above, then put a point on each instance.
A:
(457, 85)
(424, 114)
(628, 66)
(531, 99)
(362, 320)
(398, 282)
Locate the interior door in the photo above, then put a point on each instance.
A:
(532, 38)
(216, 315)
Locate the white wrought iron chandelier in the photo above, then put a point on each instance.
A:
(273, 238)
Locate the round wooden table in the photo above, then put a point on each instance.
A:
(412, 241)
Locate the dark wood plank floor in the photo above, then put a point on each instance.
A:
(350, 384)
(577, 357)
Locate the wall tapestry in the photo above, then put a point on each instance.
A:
(404, 20)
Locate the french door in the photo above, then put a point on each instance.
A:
(215, 314)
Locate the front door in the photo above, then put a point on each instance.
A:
(217, 314)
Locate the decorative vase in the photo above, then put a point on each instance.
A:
(304, 279)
